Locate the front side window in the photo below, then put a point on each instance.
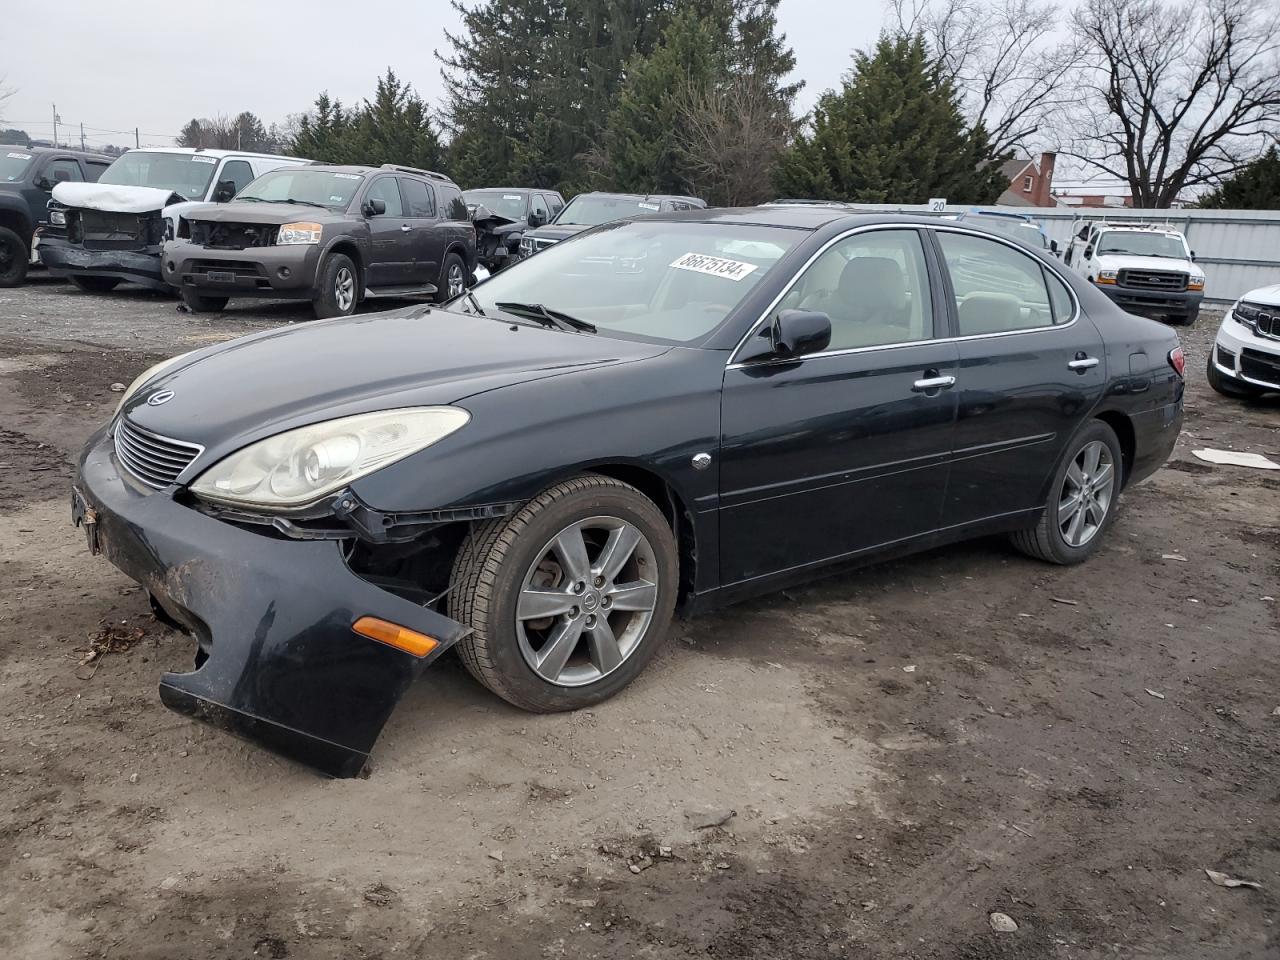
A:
(539, 207)
(61, 171)
(238, 173)
(673, 282)
(874, 286)
(303, 185)
(385, 189)
(1137, 244)
(997, 288)
(186, 174)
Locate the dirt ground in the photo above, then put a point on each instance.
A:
(905, 749)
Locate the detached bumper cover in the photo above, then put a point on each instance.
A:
(274, 617)
(1143, 301)
(67, 259)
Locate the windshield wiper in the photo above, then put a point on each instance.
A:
(309, 203)
(546, 316)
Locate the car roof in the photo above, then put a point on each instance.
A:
(640, 196)
(362, 170)
(1006, 214)
(213, 152)
(36, 151)
(509, 190)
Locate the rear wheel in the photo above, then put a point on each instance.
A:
(336, 292)
(14, 258)
(198, 303)
(1082, 500)
(453, 278)
(569, 598)
(96, 284)
(1227, 386)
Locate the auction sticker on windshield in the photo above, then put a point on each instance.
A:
(18, 156)
(205, 159)
(714, 266)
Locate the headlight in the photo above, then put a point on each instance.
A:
(298, 467)
(1196, 282)
(299, 233)
(58, 218)
(1246, 313)
(146, 377)
(1106, 276)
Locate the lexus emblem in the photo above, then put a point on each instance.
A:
(159, 397)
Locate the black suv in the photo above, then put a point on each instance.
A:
(27, 178)
(503, 214)
(329, 234)
(591, 209)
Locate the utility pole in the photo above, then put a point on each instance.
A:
(81, 134)
(137, 140)
(55, 124)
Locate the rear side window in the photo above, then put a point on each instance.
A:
(554, 201)
(385, 189)
(62, 170)
(1060, 299)
(95, 168)
(452, 206)
(997, 288)
(417, 197)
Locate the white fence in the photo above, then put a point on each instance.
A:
(1237, 249)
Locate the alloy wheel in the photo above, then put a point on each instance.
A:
(344, 289)
(586, 601)
(1086, 494)
(455, 281)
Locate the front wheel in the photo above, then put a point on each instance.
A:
(96, 284)
(336, 293)
(14, 259)
(1082, 500)
(453, 279)
(569, 598)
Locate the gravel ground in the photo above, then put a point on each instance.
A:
(905, 749)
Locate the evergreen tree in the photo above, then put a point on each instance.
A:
(894, 132)
(392, 128)
(1254, 187)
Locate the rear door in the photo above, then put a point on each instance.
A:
(840, 452)
(390, 241)
(1032, 366)
(424, 232)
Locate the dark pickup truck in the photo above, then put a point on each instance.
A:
(333, 235)
(27, 178)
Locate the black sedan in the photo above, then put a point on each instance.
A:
(676, 410)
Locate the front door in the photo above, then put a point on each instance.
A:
(846, 450)
(391, 243)
(1031, 368)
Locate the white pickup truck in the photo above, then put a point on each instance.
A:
(1147, 269)
(101, 234)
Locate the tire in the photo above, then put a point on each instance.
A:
(199, 303)
(1047, 540)
(1184, 319)
(337, 287)
(503, 560)
(453, 278)
(15, 257)
(1226, 386)
(97, 284)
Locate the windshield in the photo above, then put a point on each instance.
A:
(591, 211)
(1023, 230)
(186, 174)
(1142, 244)
(12, 165)
(674, 282)
(329, 189)
(509, 205)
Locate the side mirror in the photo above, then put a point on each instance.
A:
(1088, 251)
(226, 189)
(42, 183)
(1193, 256)
(1053, 247)
(797, 332)
(375, 207)
(537, 219)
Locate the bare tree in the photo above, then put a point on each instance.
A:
(5, 94)
(732, 135)
(1175, 96)
(1004, 58)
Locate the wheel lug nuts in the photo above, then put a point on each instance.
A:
(599, 581)
(579, 587)
(574, 612)
(606, 602)
(591, 621)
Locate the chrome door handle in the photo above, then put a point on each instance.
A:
(404, 227)
(933, 383)
(1084, 363)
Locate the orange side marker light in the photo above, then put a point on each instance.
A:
(394, 635)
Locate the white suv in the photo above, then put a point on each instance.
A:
(1245, 360)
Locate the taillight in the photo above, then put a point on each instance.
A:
(1177, 360)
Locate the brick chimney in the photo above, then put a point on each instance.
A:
(1043, 194)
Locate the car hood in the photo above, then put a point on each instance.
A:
(235, 393)
(1268, 296)
(114, 198)
(557, 231)
(1119, 261)
(256, 211)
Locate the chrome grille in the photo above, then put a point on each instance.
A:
(1153, 279)
(155, 460)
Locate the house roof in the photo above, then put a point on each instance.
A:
(1013, 168)
(1014, 198)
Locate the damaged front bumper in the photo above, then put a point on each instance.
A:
(278, 663)
(67, 259)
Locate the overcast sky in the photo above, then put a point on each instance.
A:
(155, 65)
